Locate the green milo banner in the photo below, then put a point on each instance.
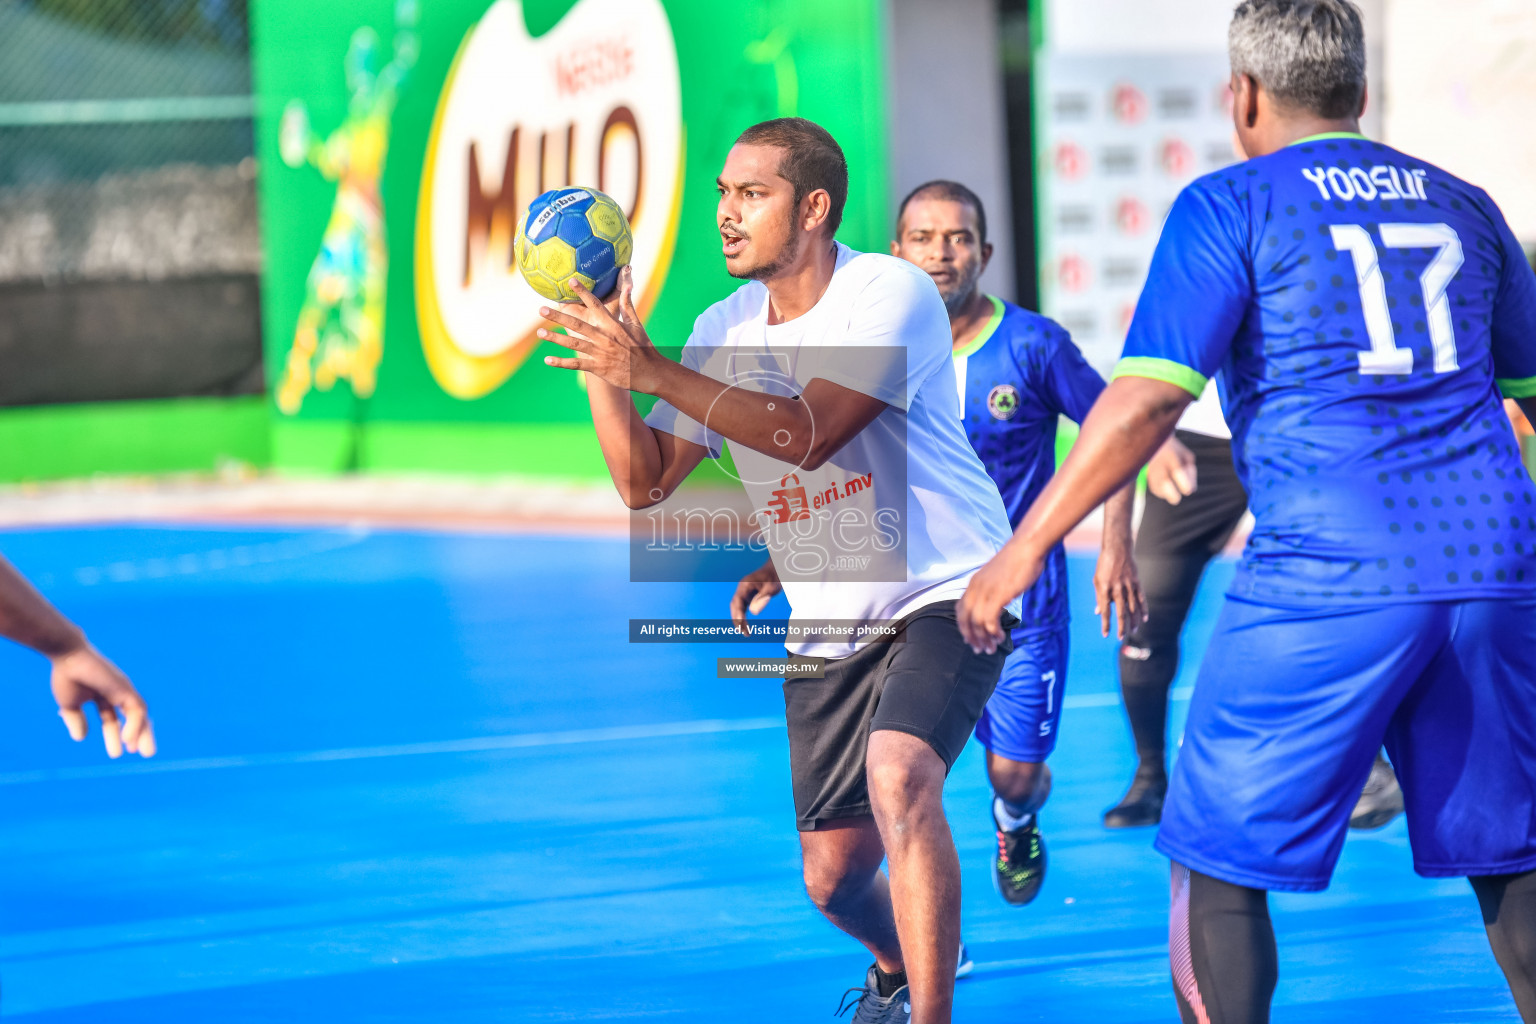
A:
(399, 143)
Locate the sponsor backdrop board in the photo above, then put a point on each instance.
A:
(1131, 104)
(1457, 89)
(1119, 136)
(399, 144)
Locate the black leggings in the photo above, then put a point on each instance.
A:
(1221, 945)
(1508, 903)
(1221, 948)
(1173, 545)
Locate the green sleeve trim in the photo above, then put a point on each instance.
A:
(1516, 387)
(1327, 135)
(985, 334)
(1160, 369)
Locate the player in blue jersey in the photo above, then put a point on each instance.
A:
(1017, 372)
(1362, 312)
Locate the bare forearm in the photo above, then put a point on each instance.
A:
(745, 417)
(629, 446)
(1118, 512)
(27, 618)
(772, 424)
(1126, 425)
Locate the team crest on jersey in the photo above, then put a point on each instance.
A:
(1003, 401)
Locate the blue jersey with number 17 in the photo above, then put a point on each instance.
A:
(1365, 310)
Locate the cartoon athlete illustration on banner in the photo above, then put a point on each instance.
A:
(340, 332)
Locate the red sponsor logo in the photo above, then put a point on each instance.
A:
(789, 501)
(1071, 161)
(1129, 103)
(1132, 216)
(1072, 272)
(853, 485)
(600, 62)
(1178, 158)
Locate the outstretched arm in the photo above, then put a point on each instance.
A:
(1126, 425)
(80, 674)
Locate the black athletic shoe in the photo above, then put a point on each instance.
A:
(1381, 800)
(873, 1008)
(1018, 870)
(1142, 804)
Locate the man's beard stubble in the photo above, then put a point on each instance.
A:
(764, 271)
(956, 299)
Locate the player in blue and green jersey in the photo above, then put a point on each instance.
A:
(1362, 311)
(1017, 373)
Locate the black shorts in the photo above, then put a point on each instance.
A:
(1199, 526)
(927, 683)
(1173, 545)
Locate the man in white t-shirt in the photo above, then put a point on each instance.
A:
(830, 374)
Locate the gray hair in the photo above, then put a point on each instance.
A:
(1309, 54)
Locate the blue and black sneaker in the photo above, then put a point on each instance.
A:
(1018, 870)
(873, 1008)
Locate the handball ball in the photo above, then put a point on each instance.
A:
(572, 232)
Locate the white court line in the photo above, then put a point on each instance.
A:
(517, 741)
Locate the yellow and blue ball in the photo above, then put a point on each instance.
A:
(572, 232)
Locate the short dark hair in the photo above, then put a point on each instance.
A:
(953, 191)
(812, 160)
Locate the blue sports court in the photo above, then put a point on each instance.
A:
(423, 776)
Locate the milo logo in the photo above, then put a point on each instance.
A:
(595, 101)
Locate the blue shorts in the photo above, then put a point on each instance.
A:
(1292, 705)
(1021, 717)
